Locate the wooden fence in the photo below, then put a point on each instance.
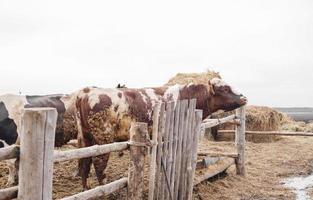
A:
(176, 132)
(36, 157)
(174, 159)
(238, 155)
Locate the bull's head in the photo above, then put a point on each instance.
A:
(223, 97)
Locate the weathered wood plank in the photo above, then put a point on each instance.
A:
(226, 163)
(138, 134)
(196, 139)
(208, 123)
(36, 164)
(189, 148)
(155, 128)
(175, 143)
(279, 133)
(100, 191)
(240, 141)
(159, 150)
(218, 154)
(86, 152)
(182, 183)
(207, 161)
(169, 159)
(182, 123)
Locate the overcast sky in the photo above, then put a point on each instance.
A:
(263, 48)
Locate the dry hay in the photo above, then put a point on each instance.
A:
(267, 164)
(297, 126)
(197, 78)
(258, 118)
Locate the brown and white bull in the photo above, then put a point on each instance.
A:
(105, 115)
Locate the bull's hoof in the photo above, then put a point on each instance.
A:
(87, 186)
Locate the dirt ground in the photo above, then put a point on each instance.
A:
(267, 164)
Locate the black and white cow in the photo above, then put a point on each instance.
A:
(11, 110)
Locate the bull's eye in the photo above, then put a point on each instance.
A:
(226, 89)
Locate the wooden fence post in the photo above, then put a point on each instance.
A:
(138, 136)
(156, 113)
(36, 155)
(240, 141)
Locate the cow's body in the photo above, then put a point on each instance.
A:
(11, 109)
(106, 114)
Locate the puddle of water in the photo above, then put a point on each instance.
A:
(299, 185)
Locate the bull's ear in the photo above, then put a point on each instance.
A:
(211, 88)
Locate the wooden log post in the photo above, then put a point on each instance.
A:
(175, 144)
(178, 166)
(138, 136)
(240, 141)
(159, 151)
(36, 156)
(164, 191)
(191, 134)
(156, 113)
(182, 182)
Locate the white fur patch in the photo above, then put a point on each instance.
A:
(172, 93)
(144, 97)
(15, 106)
(4, 143)
(69, 100)
(152, 96)
(218, 82)
(235, 91)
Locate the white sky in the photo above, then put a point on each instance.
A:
(264, 48)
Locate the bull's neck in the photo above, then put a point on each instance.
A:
(202, 94)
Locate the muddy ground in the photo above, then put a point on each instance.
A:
(267, 165)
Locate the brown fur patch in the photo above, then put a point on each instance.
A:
(86, 90)
(137, 107)
(119, 95)
(104, 102)
(160, 90)
(199, 92)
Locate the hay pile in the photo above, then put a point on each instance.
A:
(197, 78)
(258, 118)
(297, 126)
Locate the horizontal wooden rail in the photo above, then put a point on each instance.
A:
(218, 154)
(100, 190)
(208, 123)
(9, 152)
(211, 173)
(86, 152)
(281, 133)
(8, 193)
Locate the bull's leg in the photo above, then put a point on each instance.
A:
(84, 170)
(100, 163)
